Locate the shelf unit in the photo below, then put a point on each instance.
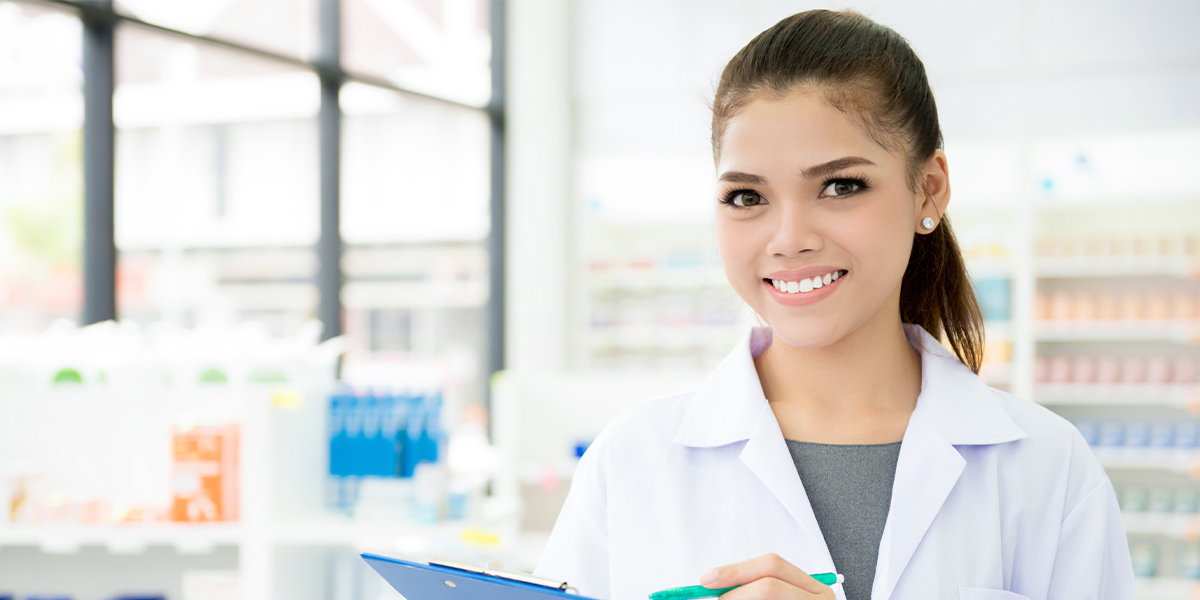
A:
(1074, 232)
(283, 527)
(283, 524)
(652, 295)
(154, 410)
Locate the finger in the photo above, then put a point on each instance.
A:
(771, 588)
(767, 565)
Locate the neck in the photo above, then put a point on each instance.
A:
(859, 390)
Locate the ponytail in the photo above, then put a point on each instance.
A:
(936, 294)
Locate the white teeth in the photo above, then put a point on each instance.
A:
(806, 285)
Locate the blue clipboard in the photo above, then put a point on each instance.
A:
(443, 580)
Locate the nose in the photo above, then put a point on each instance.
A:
(796, 232)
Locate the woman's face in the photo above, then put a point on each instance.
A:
(815, 221)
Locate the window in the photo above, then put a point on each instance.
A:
(41, 111)
(216, 188)
(217, 201)
(415, 222)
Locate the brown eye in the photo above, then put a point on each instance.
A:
(747, 199)
(841, 187)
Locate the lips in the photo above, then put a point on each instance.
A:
(807, 284)
(802, 287)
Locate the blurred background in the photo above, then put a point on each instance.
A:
(282, 281)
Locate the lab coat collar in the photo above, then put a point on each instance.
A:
(728, 405)
(954, 408)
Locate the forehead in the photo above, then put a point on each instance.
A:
(794, 132)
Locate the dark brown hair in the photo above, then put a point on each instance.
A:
(871, 74)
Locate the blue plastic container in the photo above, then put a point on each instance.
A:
(1187, 434)
(1137, 433)
(1112, 433)
(1162, 434)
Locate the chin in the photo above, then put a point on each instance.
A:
(806, 334)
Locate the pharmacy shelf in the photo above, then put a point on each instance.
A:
(344, 531)
(1178, 268)
(1117, 206)
(1166, 588)
(1182, 527)
(1169, 332)
(1150, 459)
(332, 530)
(1172, 396)
(122, 539)
(658, 280)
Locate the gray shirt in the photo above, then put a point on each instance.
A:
(850, 489)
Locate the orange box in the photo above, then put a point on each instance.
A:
(204, 473)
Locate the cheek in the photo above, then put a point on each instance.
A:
(739, 245)
(881, 240)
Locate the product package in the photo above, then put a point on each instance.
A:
(204, 473)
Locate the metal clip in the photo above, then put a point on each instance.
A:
(495, 569)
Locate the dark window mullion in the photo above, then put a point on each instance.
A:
(329, 123)
(496, 203)
(99, 244)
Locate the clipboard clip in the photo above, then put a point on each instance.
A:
(495, 569)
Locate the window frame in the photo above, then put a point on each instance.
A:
(99, 21)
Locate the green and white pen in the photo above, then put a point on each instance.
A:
(692, 592)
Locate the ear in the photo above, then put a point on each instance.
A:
(934, 194)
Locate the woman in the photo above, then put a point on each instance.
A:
(843, 437)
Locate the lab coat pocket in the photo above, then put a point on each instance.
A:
(986, 594)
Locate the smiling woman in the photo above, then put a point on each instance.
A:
(841, 436)
(887, 107)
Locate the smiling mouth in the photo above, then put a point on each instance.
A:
(805, 286)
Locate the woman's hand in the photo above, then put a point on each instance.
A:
(766, 577)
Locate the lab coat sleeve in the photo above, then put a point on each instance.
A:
(1092, 561)
(577, 551)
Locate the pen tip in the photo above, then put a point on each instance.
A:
(841, 578)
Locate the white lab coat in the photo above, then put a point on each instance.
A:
(991, 493)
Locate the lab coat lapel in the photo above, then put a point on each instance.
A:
(767, 456)
(729, 408)
(955, 408)
(926, 471)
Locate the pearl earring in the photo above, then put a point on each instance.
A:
(928, 222)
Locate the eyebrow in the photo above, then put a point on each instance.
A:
(740, 177)
(833, 166)
(814, 172)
